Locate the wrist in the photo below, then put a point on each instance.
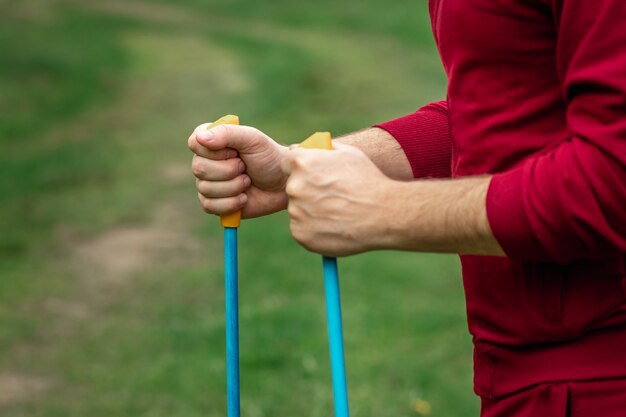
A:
(387, 230)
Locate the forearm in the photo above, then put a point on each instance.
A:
(383, 150)
(447, 216)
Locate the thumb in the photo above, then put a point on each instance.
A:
(244, 139)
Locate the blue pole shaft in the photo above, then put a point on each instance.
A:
(335, 337)
(232, 321)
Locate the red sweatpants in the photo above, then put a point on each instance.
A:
(565, 399)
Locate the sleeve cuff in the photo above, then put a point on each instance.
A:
(507, 217)
(425, 139)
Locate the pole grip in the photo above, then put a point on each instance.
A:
(318, 140)
(231, 219)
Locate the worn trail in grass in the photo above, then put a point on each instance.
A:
(112, 288)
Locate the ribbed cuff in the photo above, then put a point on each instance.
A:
(507, 217)
(425, 139)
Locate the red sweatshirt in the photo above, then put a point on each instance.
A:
(536, 97)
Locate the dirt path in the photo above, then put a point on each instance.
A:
(18, 387)
(102, 268)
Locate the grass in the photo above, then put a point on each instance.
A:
(110, 276)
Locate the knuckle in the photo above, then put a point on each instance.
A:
(235, 167)
(293, 211)
(191, 142)
(242, 183)
(208, 205)
(201, 186)
(295, 230)
(289, 188)
(303, 161)
(202, 200)
(197, 166)
(296, 162)
(292, 188)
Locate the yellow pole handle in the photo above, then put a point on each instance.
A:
(231, 219)
(318, 140)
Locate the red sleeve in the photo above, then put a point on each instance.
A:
(425, 139)
(570, 203)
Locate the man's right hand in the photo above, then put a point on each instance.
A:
(237, 167)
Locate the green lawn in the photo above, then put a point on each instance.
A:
(111, 293)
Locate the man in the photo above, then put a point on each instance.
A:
(532, 141)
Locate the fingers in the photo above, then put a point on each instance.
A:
(222, 205)
(296, 158)
(300, 159)
(238, 138)
(221, 189)
(211, 170)
(220, 184)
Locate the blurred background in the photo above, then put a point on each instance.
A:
(111, 279)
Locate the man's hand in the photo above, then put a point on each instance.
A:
(341, 204)
(335, 199)
(238, 167)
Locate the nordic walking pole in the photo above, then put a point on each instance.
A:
(230, 223)
(322, 140)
